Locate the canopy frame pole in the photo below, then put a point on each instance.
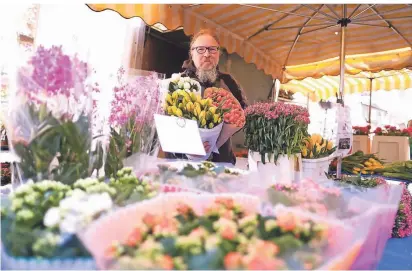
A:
(344, 23)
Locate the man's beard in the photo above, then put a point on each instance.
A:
(207, 76)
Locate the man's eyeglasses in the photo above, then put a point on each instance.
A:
(202, 49)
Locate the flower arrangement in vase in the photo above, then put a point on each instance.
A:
(274, 135)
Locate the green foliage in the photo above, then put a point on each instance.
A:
(274, 137)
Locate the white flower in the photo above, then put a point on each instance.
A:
(187, 79)
(71, 223)
(52, 217)
(175, 77)
(186, 85)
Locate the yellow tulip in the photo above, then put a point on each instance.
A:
(304, 151)
(330, 145)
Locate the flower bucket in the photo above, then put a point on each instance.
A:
(286, 170)
(315, 169)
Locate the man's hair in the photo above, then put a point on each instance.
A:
(203, 32)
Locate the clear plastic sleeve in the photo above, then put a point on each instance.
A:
(132, 130)
(338, 252)
(49, 121)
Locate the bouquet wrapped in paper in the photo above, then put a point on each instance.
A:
(184, 101)
(186, 231)
(49, 117)
(234, 118)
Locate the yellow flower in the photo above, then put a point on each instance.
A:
(318, 148)
(311, 155)
(330, 145)
(304, 151)
(356, 169)
(317, 138)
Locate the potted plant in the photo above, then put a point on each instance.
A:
(361, 138)
(274, 135)
(392, 144)
(316, 156)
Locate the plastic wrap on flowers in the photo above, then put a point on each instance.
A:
(188, 231)
(132, 130)
(374, 206)
(49, 118)
(205, 176)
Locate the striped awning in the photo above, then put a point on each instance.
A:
(327, 86)
(279, 38)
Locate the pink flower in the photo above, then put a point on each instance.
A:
(233, 261)
(53, 73)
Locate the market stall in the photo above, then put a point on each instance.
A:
(111, 203)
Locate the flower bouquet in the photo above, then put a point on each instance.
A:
(132, 130)
(27, 241)
(374, 209)
(43, 219)
(49, 124)
(184, 101)
(316, 156)
(234, 118)
(274, 133)
(189, 231)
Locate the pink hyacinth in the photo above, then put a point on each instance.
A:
(275, 110)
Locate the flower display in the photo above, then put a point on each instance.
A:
(361, 130)
(311, 197)
(136, 100)
(49, 125)
(275, 128)
(389, 130)
(23, 221)
(128, 188)
(48, 214)
(215, 240)
(403, 221)
(317, 147)
(226, 99)
(76, 211)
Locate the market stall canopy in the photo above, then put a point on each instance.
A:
(279, 38)
(327, 86)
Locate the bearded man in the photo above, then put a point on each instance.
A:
(202, 66)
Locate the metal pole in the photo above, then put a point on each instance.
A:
(370, 114)
(342, 76)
